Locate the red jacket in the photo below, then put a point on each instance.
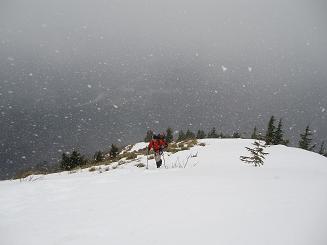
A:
(157, 144)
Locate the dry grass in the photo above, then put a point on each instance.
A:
(25, 173)
(131, 155)
(181, 146)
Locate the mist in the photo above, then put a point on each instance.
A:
(85, 74)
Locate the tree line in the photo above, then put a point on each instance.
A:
(274, 135)
(73, 160)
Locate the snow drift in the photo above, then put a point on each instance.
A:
(216, 199)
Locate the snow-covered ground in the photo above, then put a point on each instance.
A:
(139, 146)
(216, 199)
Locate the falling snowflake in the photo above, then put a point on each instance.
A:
(116, 106)
(224, 68)
(89, 86)
(249, 68)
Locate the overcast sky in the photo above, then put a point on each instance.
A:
(86, 73)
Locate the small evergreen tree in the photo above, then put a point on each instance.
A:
(73, 160)
(98, 156)
(305, 141)
(270, 131)
(236, 135)
(322, 150)
(181, 136)
(169, 135)
(65, 162)
(189, 135)
(77, 159)
(257, 154)
(149, 135)
(278, 134)
(113, 151)
(200, 134)
(213, 133)
(254, 133)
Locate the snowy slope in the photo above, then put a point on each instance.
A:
(216, 199)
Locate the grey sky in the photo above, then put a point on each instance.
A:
(85, 73)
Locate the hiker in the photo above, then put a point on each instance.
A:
(158, 143)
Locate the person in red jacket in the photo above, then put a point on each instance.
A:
(158, 144)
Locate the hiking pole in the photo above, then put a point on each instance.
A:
(163, 156)
(147, 159)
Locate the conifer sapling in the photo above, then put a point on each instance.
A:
(257, 154)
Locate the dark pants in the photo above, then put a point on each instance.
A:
(157, 157)
(159, 164)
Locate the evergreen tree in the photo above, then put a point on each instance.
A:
(257, 154)
(305, 141)
(254, 133)
(189, 135)
(113, 151)
(322, 150)
(73, 160)
(213, 133)
(278, 134)
(200, 134)
(236, 135)
(77, 159)
(181, 136)
(169, 135)
(149, 135)
(65, 162)
(98, 156)
(270, 131)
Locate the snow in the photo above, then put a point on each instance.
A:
(139, 146)
(216, 199)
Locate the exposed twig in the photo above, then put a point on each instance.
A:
(187, 160)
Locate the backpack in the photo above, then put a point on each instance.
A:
(159, 136)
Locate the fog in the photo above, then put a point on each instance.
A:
(85, 74)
